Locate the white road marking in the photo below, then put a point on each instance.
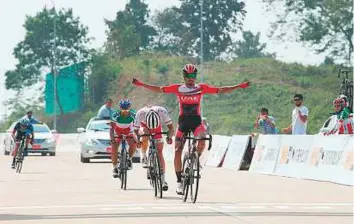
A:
(170, 208)
(200, 206)
(118, 209)
(281, 206)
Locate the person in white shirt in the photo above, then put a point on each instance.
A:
(299, 117)
(105, 111)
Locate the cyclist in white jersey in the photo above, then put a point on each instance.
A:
(150, 119)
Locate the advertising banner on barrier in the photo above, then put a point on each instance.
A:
(293, 155)
(236, 151)
(346, 165)
(325, 155)
(218, 150)
(265, 154)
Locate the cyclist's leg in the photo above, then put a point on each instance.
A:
(144, 142)
(114, 154)
(200, 132)
(132, 147)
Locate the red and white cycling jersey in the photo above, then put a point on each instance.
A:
(140, 117)
(189, 98)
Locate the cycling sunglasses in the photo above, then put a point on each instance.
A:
(191, 76)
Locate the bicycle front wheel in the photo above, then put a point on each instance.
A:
(123, 169)
(185, 177)
(19, 159)
(158, 174)
(194, 176)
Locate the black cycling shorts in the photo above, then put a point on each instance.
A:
(187, 123)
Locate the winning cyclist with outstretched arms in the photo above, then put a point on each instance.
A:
(189, 97)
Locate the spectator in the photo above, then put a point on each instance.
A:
(31, 118)
(265, 122)
(299, 117)
(206, 125)
(106, 110)
(344, 123)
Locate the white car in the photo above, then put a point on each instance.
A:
(43, 143)
(95, 141)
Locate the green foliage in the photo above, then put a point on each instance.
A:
(104, 71)
(36, 52)
(326, 25)
(129, 32)
(250, 46)
(221, 18)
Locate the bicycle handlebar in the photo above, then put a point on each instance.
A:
(157, 133)
(210, 139)
(122, 136)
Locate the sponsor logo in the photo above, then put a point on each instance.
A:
(271, 154)
(284, 155)
(330, 157)
(189, 98)
(315, 156)
(290, 154)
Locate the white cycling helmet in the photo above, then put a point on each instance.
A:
(152, 120)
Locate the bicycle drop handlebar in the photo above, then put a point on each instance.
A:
(210, 139)
(152, 134)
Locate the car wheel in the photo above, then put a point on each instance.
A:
(6, 152)
(84, 160)
(44, 153)
(52, 154)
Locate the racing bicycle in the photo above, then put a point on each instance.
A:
(154, 171)
(191, 167)
(123, 161)
(20, 154)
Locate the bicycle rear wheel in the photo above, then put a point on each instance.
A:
(194, 176)
(185, 177)
(158, 174)
(123, 170)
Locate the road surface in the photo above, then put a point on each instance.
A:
(62, 190)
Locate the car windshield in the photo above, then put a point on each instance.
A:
(41, 129)
(99, 126)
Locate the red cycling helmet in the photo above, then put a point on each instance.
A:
(189, 69)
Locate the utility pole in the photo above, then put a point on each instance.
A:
(201, 50)
(55, 69)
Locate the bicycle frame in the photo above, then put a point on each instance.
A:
(154, 169)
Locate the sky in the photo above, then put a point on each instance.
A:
(92, 14)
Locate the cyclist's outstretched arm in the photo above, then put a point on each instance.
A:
(229, 89)
(152, 88)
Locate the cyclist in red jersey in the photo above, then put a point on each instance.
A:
(189, 97)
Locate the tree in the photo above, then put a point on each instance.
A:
(324, 25)
(221, 18)
(129, 32)
(250, 46)
(43, 48)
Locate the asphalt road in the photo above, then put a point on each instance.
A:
(62, 190)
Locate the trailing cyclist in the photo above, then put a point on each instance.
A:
(23, 128)
(122, 123)
(189, 97)
(151, 119)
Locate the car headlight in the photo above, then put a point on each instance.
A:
(91, 141)
(50, 140)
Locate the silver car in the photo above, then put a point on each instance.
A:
(95, 141)
(43, 143)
